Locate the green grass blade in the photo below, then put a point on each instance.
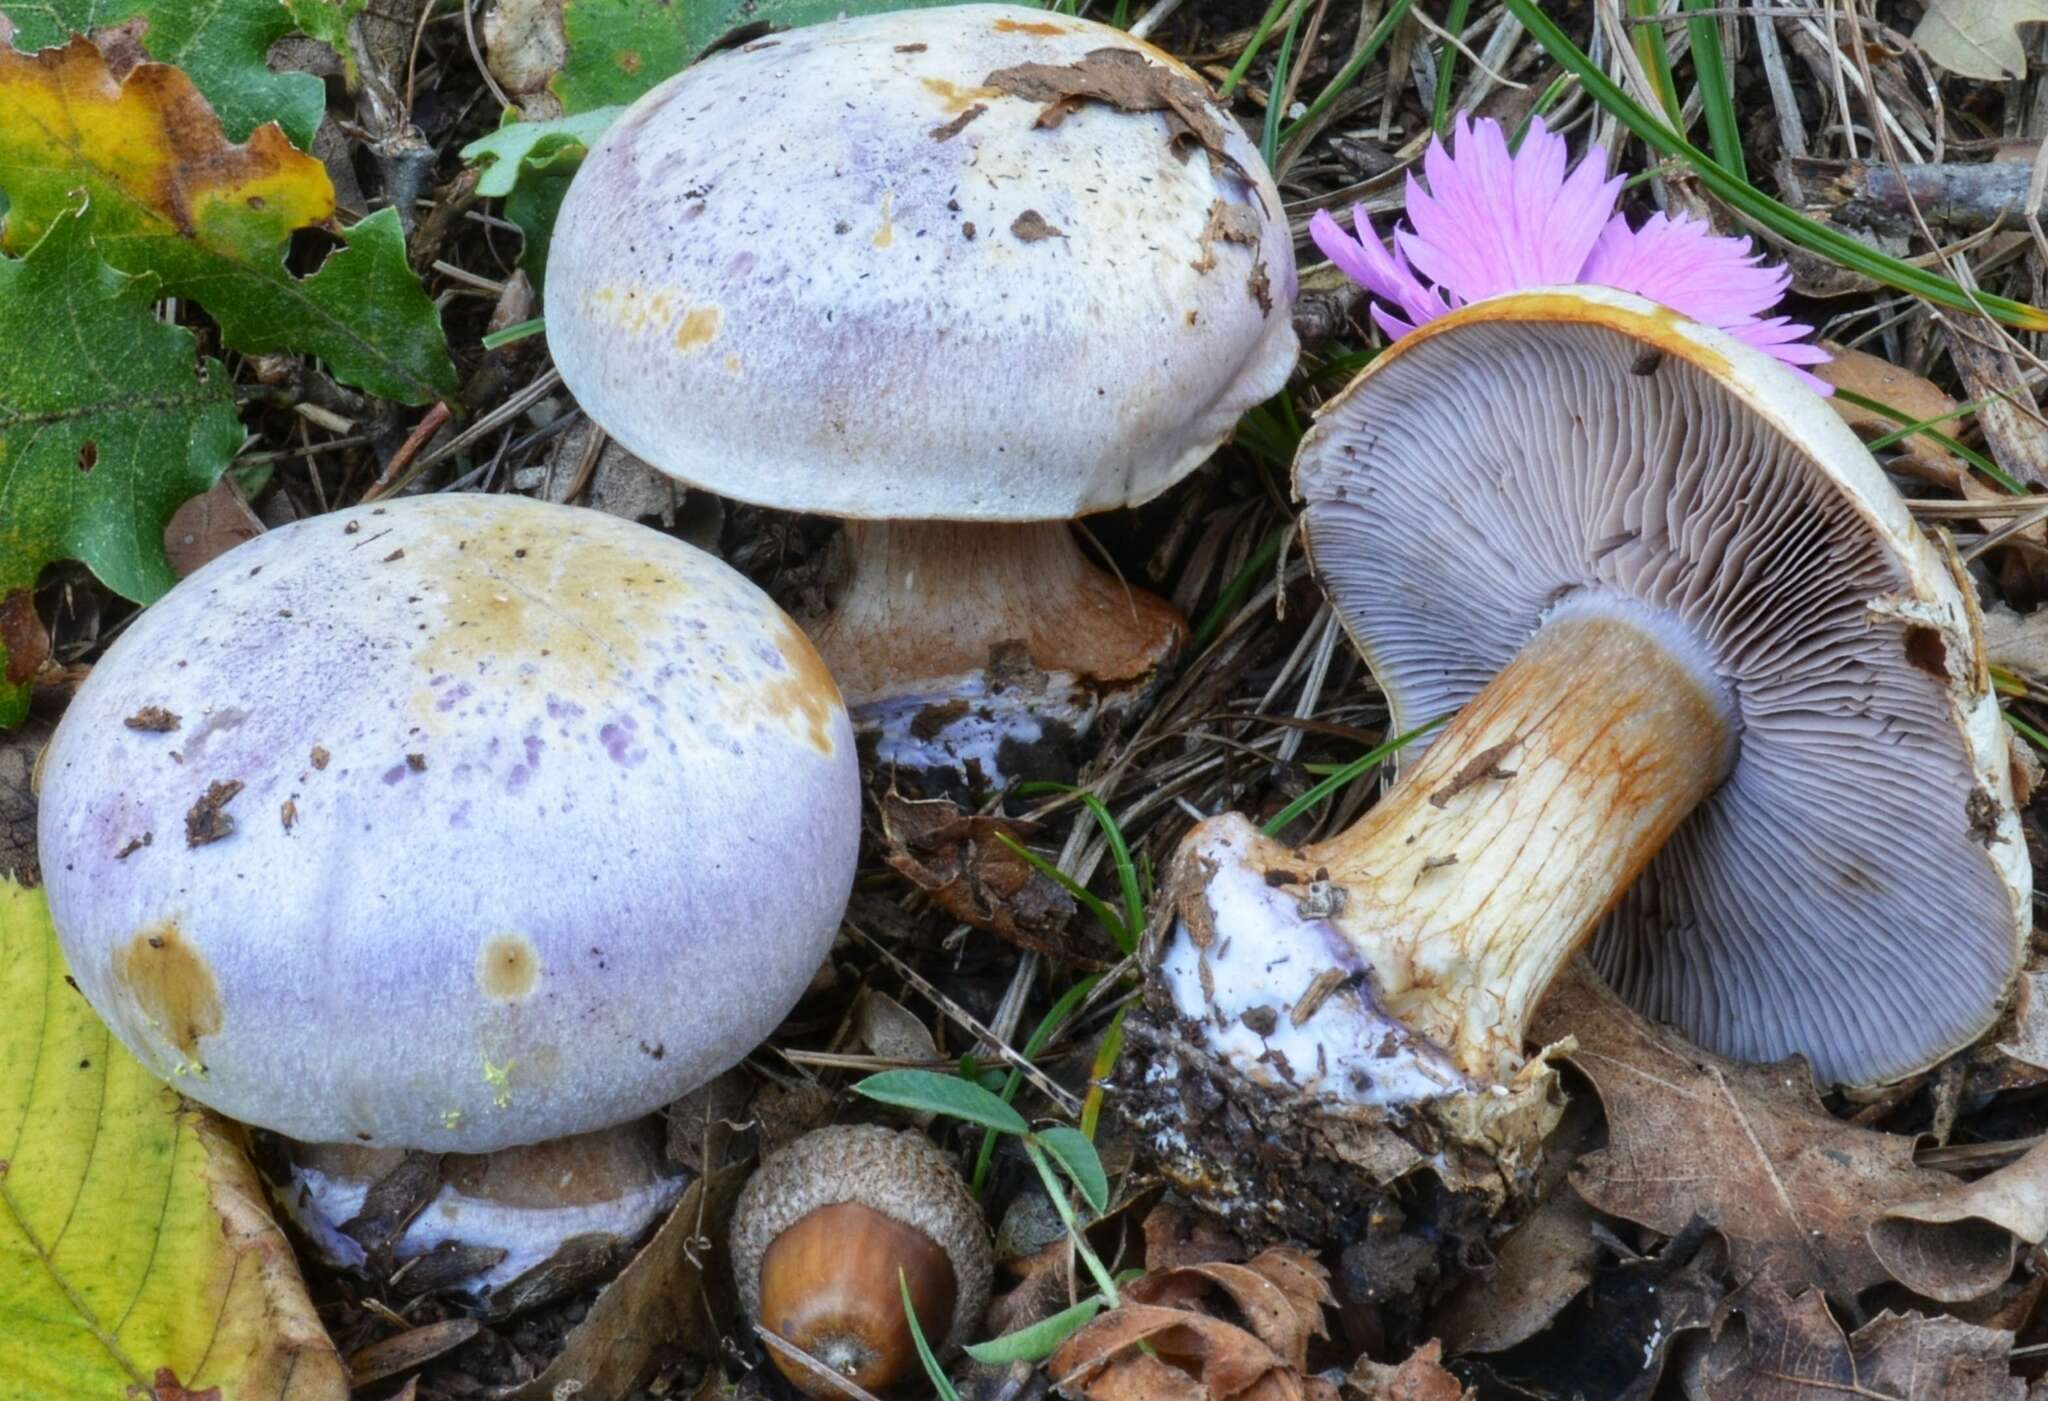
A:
(1755, 205)
(1056, 1017)
(1235, 591)
(1251, 51)
(1717, 93)
(942, 1385)
(1447, 66)
(1970, 455)
(1111, 921)
(1119, 849)
(1655, 54)
(1269, 136)
(1348, 74)
(1364, 763)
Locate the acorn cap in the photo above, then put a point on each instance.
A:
(901, 1175)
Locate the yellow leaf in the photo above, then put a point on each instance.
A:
(138, 1256)
(170, 195)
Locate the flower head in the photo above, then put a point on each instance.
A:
(1488, 221)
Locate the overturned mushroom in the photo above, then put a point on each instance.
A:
(959, 276)
(481, 824)
(1718, 709)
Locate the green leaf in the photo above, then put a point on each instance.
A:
(932, 1093)
(221, 44)
(1077, 1156)
(1040, 1340)
(327, 21)
(170, 195)
(529, 165)
(136, 1256)
(619, 49)
(108, 421)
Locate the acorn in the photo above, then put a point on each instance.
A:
(822, 1230)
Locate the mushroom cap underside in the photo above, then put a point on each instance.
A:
(879, 268)
(1858, 890)
(453, 824)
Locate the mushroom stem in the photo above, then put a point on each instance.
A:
(1464, 891)
(516, 1210)
(954, 642)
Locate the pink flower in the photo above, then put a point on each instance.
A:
(1489, 221)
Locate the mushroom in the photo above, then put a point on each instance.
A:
(822, 1231)
(1718, 708)
(460, 825)
(957, 275)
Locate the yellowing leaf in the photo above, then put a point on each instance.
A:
(108, 420)
(221, 46)
(171, 195)
(1978, 38)
(137, 1255)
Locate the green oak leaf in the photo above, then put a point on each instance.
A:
(220, 43)
(529, 166)
(212, 219)
(619, 49)
(108, 421)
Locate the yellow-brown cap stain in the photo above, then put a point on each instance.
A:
(956, 99)
(1040, 27)
(886, 234)
(172, 985)
(508, 968)
(698, 328)
(512, 592)
(807, 695)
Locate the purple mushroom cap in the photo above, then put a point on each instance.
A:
(453, 824)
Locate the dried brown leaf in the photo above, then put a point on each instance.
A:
(1420, 1378)
(208, 526)
(1789, 1349)
(1125, 80)
(1963, 1243)
(1875, 378)
(19, 750)
(1749, 1149)
(670, 1296)
(1280, 1295)
(960, 861)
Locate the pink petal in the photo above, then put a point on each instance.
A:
(1684, 265)
(1491, 221)
(1368, 263)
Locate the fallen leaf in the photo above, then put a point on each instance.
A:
(222, 47)
(137, 1251)
(19, 750)
(170, 195)
(413, 1348)
(1123, 79)
(1962, 1244)
(1978, 38)
(1542, 1266)
(208, 526)
(108, 420)
(1421, 1377)
(956, 858)
(676, 1293)
(1031, 227)
(890, 1030)
(1792, 1349)
(1278, 1296)
(1873, 377)
(1748, 1149)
